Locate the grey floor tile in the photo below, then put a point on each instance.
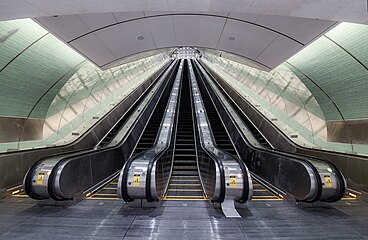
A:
(92, 219)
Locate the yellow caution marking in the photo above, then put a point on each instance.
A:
(348, 198)
(113, 183)
(105, 194)
(184, 180)
(264, 197)
(185, 190)
(352, 195)
(184, 199)
(40, 178)
(136, 180)
(185, 176)
(328, 181)
(184, 184)
(271, 199)
(233, 181)
(21, 195)
(15, 192)
(261, 188)
(97, 198)
(190, 198)
(109, 188)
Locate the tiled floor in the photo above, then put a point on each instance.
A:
(22, 218)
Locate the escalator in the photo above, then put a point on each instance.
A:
(146, 141)
(254, 131)
(106, 140)
(184, 183)
(150, 132)
(61, 177)
(184, 163)
(303, 178)
(108, 192)
(223, 141)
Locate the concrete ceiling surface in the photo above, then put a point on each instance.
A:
(335, 10)
(264, 40)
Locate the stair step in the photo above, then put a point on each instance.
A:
(181, 168)
(185, 162)
(184, 181)
(185, 198)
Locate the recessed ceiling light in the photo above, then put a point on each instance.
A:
(232, 38)
(140, 37)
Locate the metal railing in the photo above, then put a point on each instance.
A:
(305, 178)
(146, 176)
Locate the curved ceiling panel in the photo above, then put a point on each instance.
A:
(338, 10)
(106, 38)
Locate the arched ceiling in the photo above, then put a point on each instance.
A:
(335, 10)
(106, 38)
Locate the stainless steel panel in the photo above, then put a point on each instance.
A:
(342, 161)
(79, 173)
(210, 168)
(66, 169)
(305, 179)
(138, 176)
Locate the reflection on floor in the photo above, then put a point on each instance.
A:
(23, 218)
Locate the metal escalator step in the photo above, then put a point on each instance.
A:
(108, 191)
(184, 185)
(184, 193)
(182, 137)
(266, 198)
(187, 155)
(185, 177)
(185, 151)
(184, 198)
(185, 162)
(184, 140)
(186, 168)
(184, 181)
(185, 173)
(182, 190)
(185, 145)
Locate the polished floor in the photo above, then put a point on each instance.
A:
(23, 218)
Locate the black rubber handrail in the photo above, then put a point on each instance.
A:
(124, 190)
(81, 136)
(329, 152)
(245, 192)
(74, 154)
(285, 136)
(211, 155)
(281, 153)
(149, 196)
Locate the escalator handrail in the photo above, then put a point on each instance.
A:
(28, 176)
(296, 145)
(149, 196)
(338, 173)
(210, 154)
(75, 155)
(80, 138)
(276, 152)
(127, 165)
(93, 151)
(244, 169)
